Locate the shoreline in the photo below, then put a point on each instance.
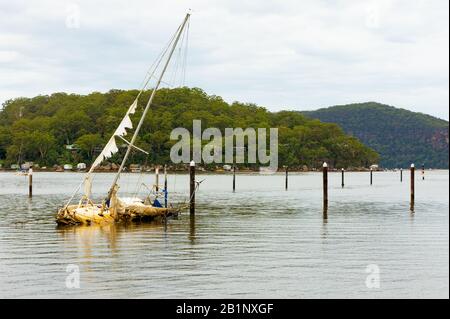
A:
(200, 171)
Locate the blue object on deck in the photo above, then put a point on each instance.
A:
(156, 203)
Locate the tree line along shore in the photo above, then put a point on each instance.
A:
(58, 129)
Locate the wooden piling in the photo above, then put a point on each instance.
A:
(234, 178)
(401, 174)
(157, 178)
(325, 187)
(413, 169)
(165, 186)
(30, 182)
(342, 177)
(286, 180)
(371, 176)
(192, 188)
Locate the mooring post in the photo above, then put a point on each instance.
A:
(165, 186)
(342, 177)
(325, 187)
(413, 169)
(423, 171)
(401, 174)
(192, 188)
(157, 178)
(30, 182)
(234, 178)
(286, 181)
(371, 176)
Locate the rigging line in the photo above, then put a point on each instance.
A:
(139, 149)
(186, 47)
(166, 83)
(149, 102)
(153, 67)
(138, 187)
(178, 59)
(170, 44)
(151, 71)
(185, 54)
(152, 74)
(182, 58)
(127, 184)
(176, 62)
(157, 61)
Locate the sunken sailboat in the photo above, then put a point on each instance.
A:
(113, 208)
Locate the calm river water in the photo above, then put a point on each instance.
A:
(260, 241)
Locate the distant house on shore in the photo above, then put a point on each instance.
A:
(72, 147)
(135, 168)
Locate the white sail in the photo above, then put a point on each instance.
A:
(110, 148)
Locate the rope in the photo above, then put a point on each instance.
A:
(141, 174)
(179, 69)
(186, 53)
(150, 73)
(186, 205)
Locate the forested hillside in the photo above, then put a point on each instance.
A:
(38, 129)
(401, 137)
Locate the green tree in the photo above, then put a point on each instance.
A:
(88, 142)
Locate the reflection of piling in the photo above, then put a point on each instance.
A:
(413, 169)
(192, 188)
(325, 188)
(30, 182)
(192, 228)
(342, 177)
(157, 178)
(401, 174)
(423, 172)
(165, 186)
(286, 180)
(371, 176)
(234, 178)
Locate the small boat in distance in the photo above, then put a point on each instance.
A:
(114, 208)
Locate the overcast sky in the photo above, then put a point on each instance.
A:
(295, 54)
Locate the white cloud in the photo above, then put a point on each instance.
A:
(279, 54)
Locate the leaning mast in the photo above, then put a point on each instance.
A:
(141, 121)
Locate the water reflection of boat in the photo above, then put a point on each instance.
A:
(89, 236)
(113, 208)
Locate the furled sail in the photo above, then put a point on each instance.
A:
(110, 148)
